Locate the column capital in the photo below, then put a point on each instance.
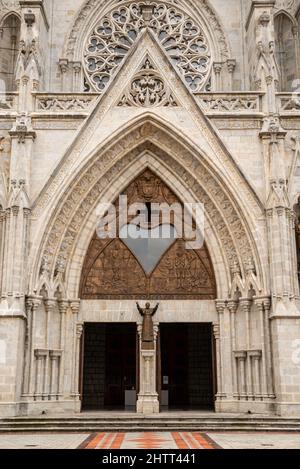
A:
(256, 354)
(63, 65)
(63, 306)
(220, 306)
(233, 306)
(50, 304)
(55, 354)
(231, 64)
(33, 302)
(79, 330)
(246, 304)
(75, 306)
(218, 67)
(41, 353)
(240, 354)
(216, 330)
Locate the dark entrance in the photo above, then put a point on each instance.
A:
(109, 367)
(187, 366)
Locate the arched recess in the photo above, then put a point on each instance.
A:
(200, 12)
(286, 49)
(10, 27)
(165, 269)
(229, 230)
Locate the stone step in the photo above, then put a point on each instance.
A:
(150, 422)
(92, 429)
(83, 424)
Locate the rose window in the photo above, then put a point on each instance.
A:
(183, 40)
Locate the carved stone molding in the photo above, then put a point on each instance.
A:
(230, 103)
(64, 103)
(147, 89)
(85, 191)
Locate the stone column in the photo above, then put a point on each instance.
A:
(41, 356)
(148, 402)
(220, 349)
(218, 66)
(246, 308)
(231, 64)
(241, 357)
(79, 330)
(64, 68)
(75, 339)
(50, 304)
(216, 332)
(63, 307)
(76, 76)
(233, 306)
(259, 303)
(55, 357)
(32, 304)
(255, 360)
(268, 348)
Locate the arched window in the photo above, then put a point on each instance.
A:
(285, 37)
(9, 47)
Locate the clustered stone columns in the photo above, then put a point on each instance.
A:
(52, 353)
(148, 402)
(244, 371)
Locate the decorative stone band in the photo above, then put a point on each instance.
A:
(288, 103)
(64, 103)
(230, 103)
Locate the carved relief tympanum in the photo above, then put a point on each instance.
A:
(111, 270)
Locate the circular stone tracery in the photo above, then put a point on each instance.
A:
(183, 40)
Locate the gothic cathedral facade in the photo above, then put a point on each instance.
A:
(164, 101)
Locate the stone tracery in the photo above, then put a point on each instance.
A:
(183, 40)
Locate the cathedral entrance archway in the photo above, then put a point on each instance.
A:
(118, 270)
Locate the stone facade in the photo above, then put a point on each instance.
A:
(205, 95)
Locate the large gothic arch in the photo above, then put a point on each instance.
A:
(71, 222)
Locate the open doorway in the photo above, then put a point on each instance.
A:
(109, 366)
(187, 371)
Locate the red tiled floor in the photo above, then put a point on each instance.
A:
(151, 440)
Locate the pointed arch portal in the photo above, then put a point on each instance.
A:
(113, 268)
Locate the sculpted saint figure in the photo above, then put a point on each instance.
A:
(147, 331)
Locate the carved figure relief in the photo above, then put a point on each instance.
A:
(183, 40)
(111, 270)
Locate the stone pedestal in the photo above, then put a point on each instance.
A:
(147, 402)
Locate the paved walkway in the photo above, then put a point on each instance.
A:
(151, 440)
